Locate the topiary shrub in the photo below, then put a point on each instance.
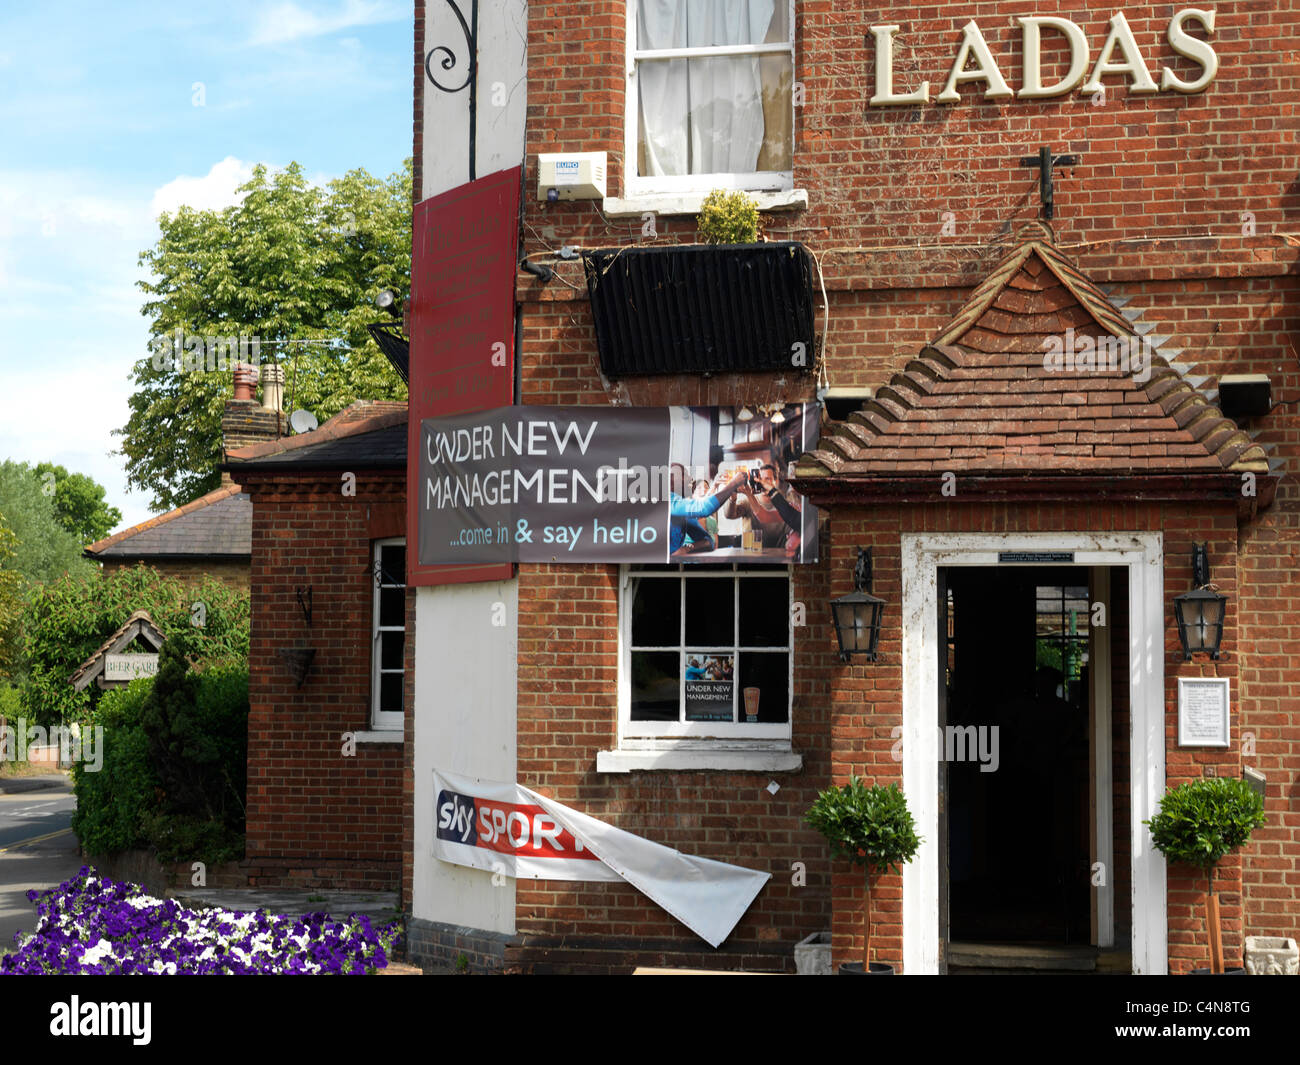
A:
(728, 218)
(869, 825)
(1201, 821)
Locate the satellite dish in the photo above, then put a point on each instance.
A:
(302, 421)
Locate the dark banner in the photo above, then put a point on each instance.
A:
(615, 484)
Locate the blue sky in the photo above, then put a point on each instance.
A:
(113, 112)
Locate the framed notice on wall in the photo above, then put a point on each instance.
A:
(1203, 711)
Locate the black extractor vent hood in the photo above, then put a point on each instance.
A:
(702, 308)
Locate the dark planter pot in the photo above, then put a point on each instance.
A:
(1226, 972)
(702, 308)
(854, 968)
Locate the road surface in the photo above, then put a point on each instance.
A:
(37, 847)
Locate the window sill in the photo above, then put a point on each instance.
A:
(688, 760)
(390, 735)
(681, 203)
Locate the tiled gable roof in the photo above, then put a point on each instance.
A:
(980, 399)
(219, 523)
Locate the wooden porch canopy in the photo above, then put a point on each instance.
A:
(980, 403)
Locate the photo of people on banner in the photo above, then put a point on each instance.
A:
(743, 508)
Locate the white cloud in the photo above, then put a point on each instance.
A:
(290, 22)
(213, 191)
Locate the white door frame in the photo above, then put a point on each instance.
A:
(1143, 556)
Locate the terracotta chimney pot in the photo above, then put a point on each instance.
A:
(245, 380)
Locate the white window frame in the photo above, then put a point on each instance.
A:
(636, 185)
(386, 721)
(701, 735)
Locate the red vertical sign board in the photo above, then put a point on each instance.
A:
(463, 267)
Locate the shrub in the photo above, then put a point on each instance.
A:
(1201, 821)
(196, 727)
(871, 826)
(174, 769)
(728, 218)
(112, 803)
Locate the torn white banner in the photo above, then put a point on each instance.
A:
(509, 829)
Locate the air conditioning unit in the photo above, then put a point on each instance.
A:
(571, 176)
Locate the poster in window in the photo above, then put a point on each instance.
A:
(709, 681)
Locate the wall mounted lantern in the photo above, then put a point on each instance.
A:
(857, 615)
(1200, 612)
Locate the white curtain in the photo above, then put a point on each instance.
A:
(701, 116)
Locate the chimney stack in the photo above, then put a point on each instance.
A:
(245, 421)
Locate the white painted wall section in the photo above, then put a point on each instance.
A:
(466, 679)
(501, 90)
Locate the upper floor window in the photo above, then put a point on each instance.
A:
(710, 95)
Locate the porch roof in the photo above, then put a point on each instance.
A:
(982, 401)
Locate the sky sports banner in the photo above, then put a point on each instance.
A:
(508, 829)
(615, 484)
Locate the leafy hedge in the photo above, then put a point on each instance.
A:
(111, 802)
(174, 769)
(69, 619)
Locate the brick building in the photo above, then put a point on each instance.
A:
(328, 626)
(1003, 498)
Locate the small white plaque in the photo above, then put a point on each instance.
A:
(128, 667)
(1203, 711)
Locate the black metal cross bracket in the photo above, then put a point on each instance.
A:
(1045, 161)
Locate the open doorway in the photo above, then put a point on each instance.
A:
(1017, 754)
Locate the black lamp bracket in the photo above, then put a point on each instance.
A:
(304, 603)
(862, 571)
(1200, 565)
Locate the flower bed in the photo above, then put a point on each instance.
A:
(92, 925)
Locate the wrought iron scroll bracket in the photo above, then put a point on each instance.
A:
(447, 61)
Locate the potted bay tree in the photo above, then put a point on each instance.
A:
(871, 826)
(1198, 823)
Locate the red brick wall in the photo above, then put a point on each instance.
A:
(315, 817)
(1156, 209)
(568, 711)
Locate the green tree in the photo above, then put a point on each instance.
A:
(67, 621)
(45, 549)
(79, 503)
(295, 266)
(11, 603)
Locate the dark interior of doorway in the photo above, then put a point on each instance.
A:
(1018, 834)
